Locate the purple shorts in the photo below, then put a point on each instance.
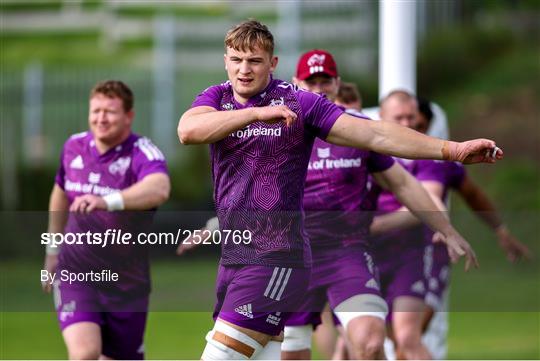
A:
(122, 333)
(337, 275)
(402, 274)
(438, 275)
(260, 298)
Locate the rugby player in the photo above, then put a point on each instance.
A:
(338, 200)
(438, 180)
(102, 172)
(261, 132)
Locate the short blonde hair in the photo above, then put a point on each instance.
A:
(114, 89)
(249, 35)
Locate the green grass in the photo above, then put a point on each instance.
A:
(183, 297)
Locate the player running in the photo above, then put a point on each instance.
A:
(261, 132)
(103, 172)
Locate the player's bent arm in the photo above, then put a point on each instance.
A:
(403, 218)
(204, 124)
(393, 139)
(150, 192)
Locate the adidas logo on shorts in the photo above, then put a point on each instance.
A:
(372, 284)
(244, 310)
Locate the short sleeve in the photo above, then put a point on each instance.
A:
(319, 113)
(210, 97)
(430, 170)
(379, 162)
(147, 159)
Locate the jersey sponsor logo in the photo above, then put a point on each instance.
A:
(323, 152)
(88, 188)
(244, 310)
(372, 284)
(341, 163)
(250, 131)
(274, 320)
(120, 165)
(418, 287)
(77, 163)
(278, 282)
(94, 177)
(149, 149)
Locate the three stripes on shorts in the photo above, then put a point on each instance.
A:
(277, 283)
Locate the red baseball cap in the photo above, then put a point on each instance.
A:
(315, 62)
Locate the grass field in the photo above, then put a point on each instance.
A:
(506, 332)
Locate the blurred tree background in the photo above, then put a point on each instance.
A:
(478, 59)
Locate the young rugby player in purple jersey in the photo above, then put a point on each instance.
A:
(438, 178)
(261, 132)
(103, 171)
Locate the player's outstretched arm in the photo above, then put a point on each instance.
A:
(396, 140)
(485, 209)
(204, 124)
(58, 207)
(148, 193)
(413, 195)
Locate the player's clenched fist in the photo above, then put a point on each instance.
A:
(472, 151)
(276, 114)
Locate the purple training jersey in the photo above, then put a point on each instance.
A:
(84, 171)
(338, 198)
(259, 173)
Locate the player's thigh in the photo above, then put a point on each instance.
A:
(408, 314)
(83, 340)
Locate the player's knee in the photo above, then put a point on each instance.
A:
(366, 335)
(225, 342)
(87, 352)
(407, 336)
(297, 338)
